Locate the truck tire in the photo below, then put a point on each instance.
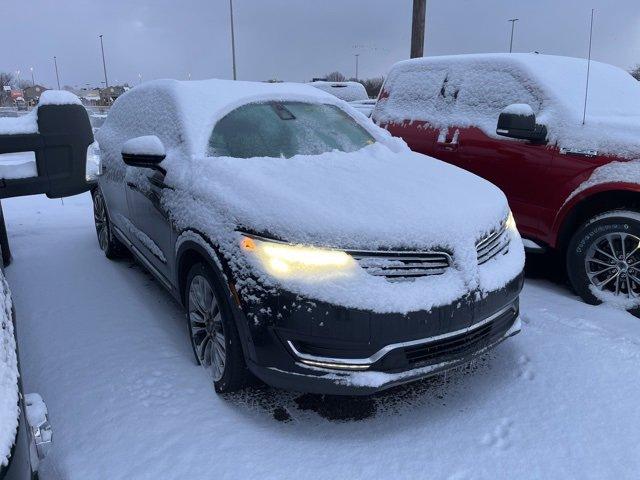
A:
(603, 259)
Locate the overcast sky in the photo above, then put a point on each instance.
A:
(293, 39)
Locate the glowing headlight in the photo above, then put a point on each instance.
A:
(283, 260)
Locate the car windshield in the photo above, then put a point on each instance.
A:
(285, 129)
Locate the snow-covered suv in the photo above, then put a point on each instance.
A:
(572, 176)
(304, 242)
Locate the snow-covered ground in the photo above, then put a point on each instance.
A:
(108, 350)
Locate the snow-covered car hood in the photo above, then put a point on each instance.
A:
(373, 198)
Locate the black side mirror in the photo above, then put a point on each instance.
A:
(144, 152)
(59, 139)
(519, 121)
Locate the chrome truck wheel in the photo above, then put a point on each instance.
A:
(612, 263)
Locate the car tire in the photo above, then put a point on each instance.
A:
(109, 244)
(213, 331)
(607, 244)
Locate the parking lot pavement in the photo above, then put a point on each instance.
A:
(108, 350)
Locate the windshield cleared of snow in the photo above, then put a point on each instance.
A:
(286, 129)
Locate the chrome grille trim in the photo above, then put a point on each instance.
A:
(493, 244)
(398, 265)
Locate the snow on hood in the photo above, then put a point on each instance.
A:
(375, 198)
(368, 199)
(554, 86)
(8, 376)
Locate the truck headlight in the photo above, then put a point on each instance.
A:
(287, 261)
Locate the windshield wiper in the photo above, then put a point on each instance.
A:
(283, 112)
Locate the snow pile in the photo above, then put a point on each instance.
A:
(381, 196)
(19, 125)
(521, 109)
(347, 91)
(58, 97)
(18, 165)
(472, 90)
(144, 145)
(9, 411)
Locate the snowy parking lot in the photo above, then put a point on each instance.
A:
(108, 350)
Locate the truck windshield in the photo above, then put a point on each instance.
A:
(285, 129)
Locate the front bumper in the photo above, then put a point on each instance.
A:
(321, 348)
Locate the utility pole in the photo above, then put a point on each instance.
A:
(233, 40)
(417, 28)
(357, 55)
(33, 80)
(513, 26)
(104, 64)
(55, 62)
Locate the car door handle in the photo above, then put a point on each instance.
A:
(447, 146)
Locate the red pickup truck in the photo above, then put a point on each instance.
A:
(519, 120)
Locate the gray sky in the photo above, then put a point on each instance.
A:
(294, 39)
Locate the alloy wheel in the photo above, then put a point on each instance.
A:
(207, 328)
(612, 264)
(102, 224)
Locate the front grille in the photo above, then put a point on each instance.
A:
(460, 345)
(400, 265)
(493, 244)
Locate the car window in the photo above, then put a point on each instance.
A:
(285, 129)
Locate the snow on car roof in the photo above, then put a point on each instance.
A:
(553, 85)
(193, 107)
(347, 91)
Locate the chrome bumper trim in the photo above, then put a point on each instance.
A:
(365, 363)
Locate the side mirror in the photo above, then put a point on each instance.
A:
(51, 146)
(144, 152)
(519, 121)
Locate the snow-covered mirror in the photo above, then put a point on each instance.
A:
(145, 152)
(519, 121)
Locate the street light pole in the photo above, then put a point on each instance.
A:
(33, 80)
(55, 62)
(417, 28)
(513, 25)
(357, 55)
(233, 40)
(104, 64)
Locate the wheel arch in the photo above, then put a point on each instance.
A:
(589, 203)
(194, 247)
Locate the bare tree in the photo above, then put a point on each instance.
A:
(373, 86)
(335, 77)
(635, 72)
(6, 79)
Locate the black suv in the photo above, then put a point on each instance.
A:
(306, 245)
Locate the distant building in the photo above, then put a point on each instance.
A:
(108, 95)
(32, 94)
(90, 97)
